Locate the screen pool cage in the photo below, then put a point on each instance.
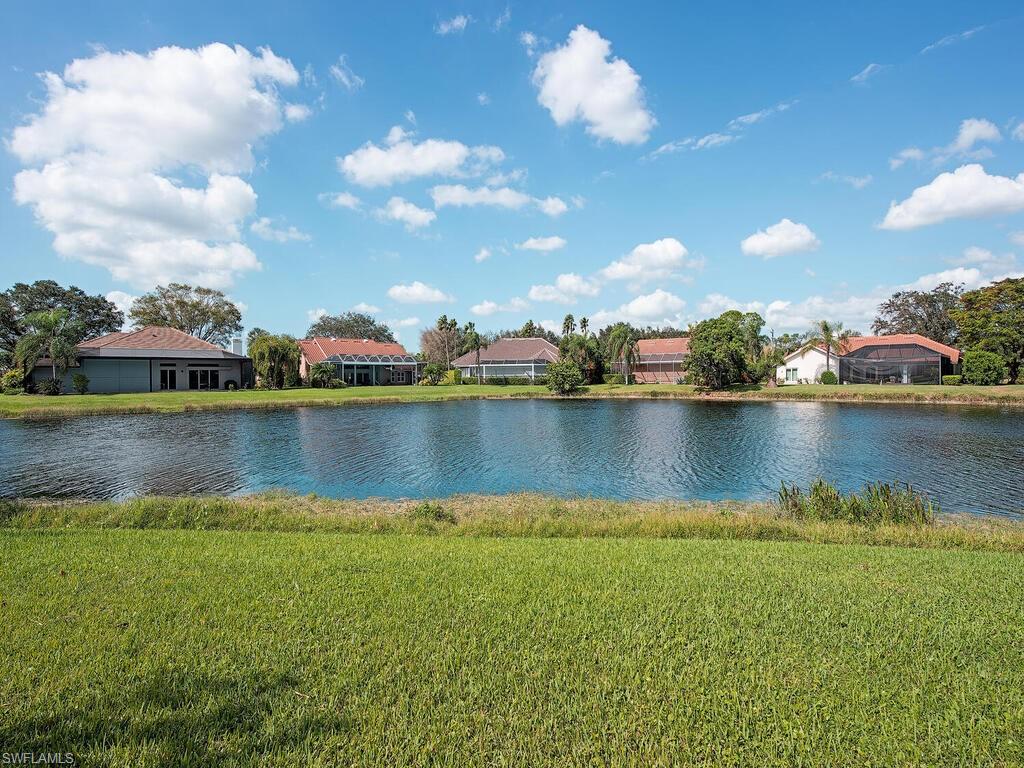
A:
(894, 364)
(376, 369)
(660, 367)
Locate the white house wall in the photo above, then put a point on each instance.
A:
(809, 364)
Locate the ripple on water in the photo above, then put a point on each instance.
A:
(968, 459)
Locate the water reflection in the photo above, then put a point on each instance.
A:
(968, 458)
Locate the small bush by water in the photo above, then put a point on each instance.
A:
(877, 503)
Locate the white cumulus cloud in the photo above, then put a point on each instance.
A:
(296, 113)
(400, 209)
(401, 159)
(417, 293)
(114, 135)
(482, 255)
(779, 239)
(967, 192)
(566, 289)
(264, 227)
(651, 261)
(342, 200)
(366, 309)
(659, 308)
(552, 243)
(487, 308)
(581, 81)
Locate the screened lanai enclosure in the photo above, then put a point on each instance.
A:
(364, 370)
(895, 364)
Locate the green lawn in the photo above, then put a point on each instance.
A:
(12, 406)
(179, 647)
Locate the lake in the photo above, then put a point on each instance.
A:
(966, 458)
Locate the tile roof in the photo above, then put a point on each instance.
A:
(149, 337)
(679, 345)
(320, 348)
(859, 342)
(512, 350)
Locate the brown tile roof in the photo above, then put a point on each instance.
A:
(149, 337)
(321, 347)
(676, 345)
(859, 342)
(525, 350)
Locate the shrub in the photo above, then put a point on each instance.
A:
(498, 381)
(80, 383)
(49, 386)
(564, 377)
(876, 503)
(12, 380)
(231, 385)
(451, 378)
(433, 512)
(336, 384)
(829, 377)
(321, 374)
(432, 372)
(952, 381)
(613, 378)
(983, 368)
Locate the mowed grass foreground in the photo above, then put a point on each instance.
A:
(184, 647)
(41, 406)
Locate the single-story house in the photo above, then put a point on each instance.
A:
(151, 359)
(359, 362)
(509, 357)
(805, 365)
(906, 358)
(659, 361)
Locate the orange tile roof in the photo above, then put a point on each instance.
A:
(149, 337)
(321, 347)
(676, 345)
(859, 342)
(512, 349)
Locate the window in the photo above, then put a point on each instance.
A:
(203, 378)
(168, 378)
(398, 377)
(791, 374)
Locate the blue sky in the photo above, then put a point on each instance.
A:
(499, 162)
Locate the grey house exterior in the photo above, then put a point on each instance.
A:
(152, 359)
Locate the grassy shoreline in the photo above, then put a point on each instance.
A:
(39, 406)
(260, 647)
(523, 515)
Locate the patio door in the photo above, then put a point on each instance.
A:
(905, 374)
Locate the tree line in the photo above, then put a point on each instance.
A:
(45, 319)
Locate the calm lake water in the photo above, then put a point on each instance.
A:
(968, 459)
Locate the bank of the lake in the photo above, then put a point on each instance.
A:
(517, 515)
(41, 406)
(182, 646)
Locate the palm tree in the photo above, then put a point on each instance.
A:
(321, 374)
(53, 334)
(584, 325)
(622, 345)
(832, 337)
(471, 342)
(568, 325)
(448, 330)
